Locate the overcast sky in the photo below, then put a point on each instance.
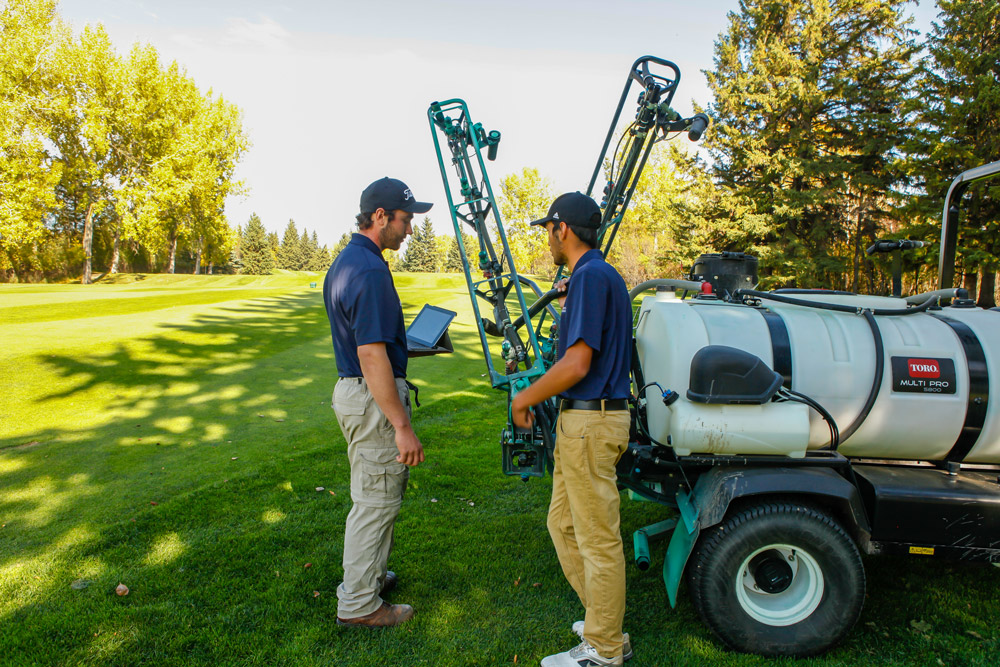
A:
(335, 94)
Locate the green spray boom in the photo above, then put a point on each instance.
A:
(518, 318)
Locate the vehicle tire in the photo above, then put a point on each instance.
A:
(777, 579)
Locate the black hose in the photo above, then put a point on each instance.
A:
(840, 308)
(876, 383)
(790, 395)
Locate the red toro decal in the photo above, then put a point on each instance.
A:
(923, 368)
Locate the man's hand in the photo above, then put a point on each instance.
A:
(411, 452)
(521, 413)
(562, 286)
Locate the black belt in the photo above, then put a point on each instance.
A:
(596, 404)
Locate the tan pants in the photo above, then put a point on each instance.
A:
(584, 520)
(378, 482)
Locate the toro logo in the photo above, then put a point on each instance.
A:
(923, 368)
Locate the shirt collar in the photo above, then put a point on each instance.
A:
(366, 243)
(591, 254)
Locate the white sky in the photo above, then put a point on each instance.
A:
(335, 93)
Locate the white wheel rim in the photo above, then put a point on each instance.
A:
(792, 605)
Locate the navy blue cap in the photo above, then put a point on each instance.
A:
(391, 194)
(575, 209)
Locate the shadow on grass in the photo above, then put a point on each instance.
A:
(200, 491)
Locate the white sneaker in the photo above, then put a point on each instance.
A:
(626, 644)
(583, 655)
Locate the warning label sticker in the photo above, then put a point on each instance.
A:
(923, 375)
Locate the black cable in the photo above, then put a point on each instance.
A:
(789, 395)
(856, 310)
(876, 382)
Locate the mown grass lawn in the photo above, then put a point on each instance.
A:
(170, 433)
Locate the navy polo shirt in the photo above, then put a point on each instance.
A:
(363, 307)
(598, 312)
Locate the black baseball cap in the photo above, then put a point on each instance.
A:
(391, 194)
(575, 209)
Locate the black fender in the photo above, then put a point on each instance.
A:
(716, 489)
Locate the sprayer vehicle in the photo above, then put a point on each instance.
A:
(791, 431)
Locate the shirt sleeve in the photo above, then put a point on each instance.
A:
(585, 310)
(375, 311)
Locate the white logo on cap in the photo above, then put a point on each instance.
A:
(555, 216)
(407, 194)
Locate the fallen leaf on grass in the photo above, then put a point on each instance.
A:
(315, 594)
(434, 500)
(537, 584)
(975, 634)
(307, 565)
(121, 589)
(920, 626)
(472, 504)
(517, 582)
(320, 488)
(333, 493)
(234, 458)
(153, 502)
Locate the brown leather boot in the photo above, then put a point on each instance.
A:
(386, 616)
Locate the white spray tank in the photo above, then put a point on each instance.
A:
(931, 402)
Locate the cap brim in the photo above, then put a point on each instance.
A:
(417, 207)
(542, 221)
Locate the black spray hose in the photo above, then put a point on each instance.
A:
(876, 383)
(840, 308)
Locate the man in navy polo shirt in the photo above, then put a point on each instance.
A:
(591, 377)
(371, 399)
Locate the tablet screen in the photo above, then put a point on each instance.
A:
(428, 327)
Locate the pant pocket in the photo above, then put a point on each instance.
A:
(382, 476)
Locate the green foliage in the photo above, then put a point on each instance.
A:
(525, 197)
(421, 249)
(959, 128)
(809, 101)
(290, 253)
(257, 258)
(453, 256)
(115, 151)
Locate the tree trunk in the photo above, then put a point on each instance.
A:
(987, 290)
(197, 259)
(210, 266)
(969, 282)
(88, 243)
(116, 251)
(173, 252)
(857, 248)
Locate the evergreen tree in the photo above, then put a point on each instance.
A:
(255, 249)
(272, 239)
(290, 252)
(421, 249)
(306, 251)
(960, 129)
(809, 111)
(341, 244)
(320, 258)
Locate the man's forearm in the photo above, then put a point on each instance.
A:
(377, 371)
(563, 375)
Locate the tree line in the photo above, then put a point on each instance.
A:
(833, 124)
(111, 161)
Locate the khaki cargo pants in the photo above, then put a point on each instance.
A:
(584, 521)
(378, 482)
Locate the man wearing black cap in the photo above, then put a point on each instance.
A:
(371, 399)
(591, 377)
